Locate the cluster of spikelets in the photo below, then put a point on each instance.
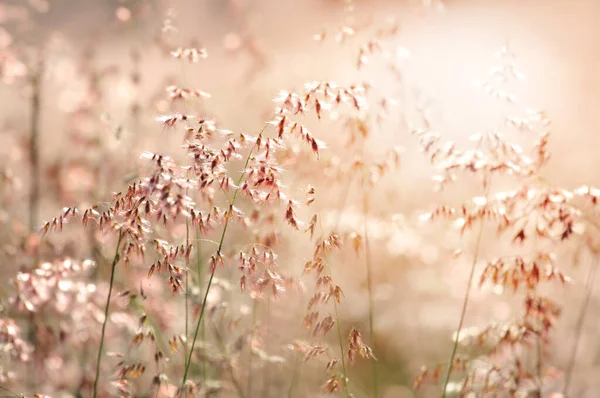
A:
(534, 217)
(173, 194)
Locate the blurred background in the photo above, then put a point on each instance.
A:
(103, 67)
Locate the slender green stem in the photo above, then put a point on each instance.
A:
(464, 309)
(341, 341)
(589, 287)
(344, 202)
(36, 74)
(200, 283)
(295, 375)
(34, 152)
(266, 370)
(187, 239)
(106, 310)
(539, 363)
(337, 324)
(212, 273)
(158, 335)
(250, 353)
(369, 266)
(12, 392)
(189, 358)
(223, 349)
(187, 288)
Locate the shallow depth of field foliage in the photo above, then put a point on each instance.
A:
(285, 198)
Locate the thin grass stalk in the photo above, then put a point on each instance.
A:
(212, 273)
(223, 349)
(34, 151)
(203, 338)
(465, 301)
(339, 332)
(106, 310)
(200, 281)
(189, 358)
(539, 352)
(295, 376)
(266, 378)
(158, 335)
(34, 163)
(369, 266)
(187, 289)
(539, 364)
(463, 311)
(250, 354)
(11, 392)
(344, 201)
(589, 288)
(187, 242)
